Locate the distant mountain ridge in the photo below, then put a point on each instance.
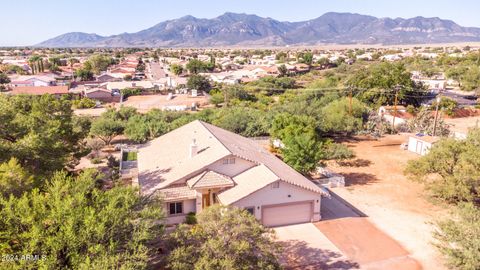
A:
(233, 29)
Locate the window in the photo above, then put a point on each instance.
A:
(251, 210)
(175, 208)
(276, 184)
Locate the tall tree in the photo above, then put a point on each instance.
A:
(451, 169)
(378, 85)
(38, 131)
(14, 180)
(106, 129)
(459, 238)
(224, 238)
(198, 82)
(74, 224)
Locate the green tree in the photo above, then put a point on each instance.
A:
(84, 74)
(247, 122)
(106, 129)
(282, 70)
(302, 150)
(98, 63)
(3, 80)
(337, 118)
(377, 84)
(14, 180)
(451, 169)
(195, 66)
(447, 105)
(224, 238)
(284, 124)
(141, 128)
(198, 82)
(176, 69)
(217, 98)
(76, 225)
(459, 238)
(39, 132)
(307, 58)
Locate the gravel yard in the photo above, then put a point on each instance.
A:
(376, 186)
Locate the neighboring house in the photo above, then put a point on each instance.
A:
(131, 84)
(33, 81)
(388, 113)
(40, 90)
(101, 94)
(199, 164)
(421, 144)
(106, 78)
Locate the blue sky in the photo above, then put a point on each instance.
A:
(28, 22)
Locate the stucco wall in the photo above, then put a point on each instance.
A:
(188, 206)
(424, 146)
(269, 196)
(231, 170)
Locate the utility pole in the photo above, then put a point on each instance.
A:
(436, 117)
(397, 88)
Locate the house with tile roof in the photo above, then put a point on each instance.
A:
(199, 164)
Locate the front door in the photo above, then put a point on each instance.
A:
(419, 147)
(206, 200)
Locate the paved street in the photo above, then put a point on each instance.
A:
(156, 71)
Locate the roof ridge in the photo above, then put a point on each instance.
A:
(216, 138)
(200, 176)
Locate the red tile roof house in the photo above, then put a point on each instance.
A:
(199, 164)
(40, 90)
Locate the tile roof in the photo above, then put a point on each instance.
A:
(210, 179)
(250, 150)
(165, 160)
(247, 183)
(40, 90)
(177, 193)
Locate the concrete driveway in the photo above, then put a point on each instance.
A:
(356, 237)
(344, 239)
(305, 247)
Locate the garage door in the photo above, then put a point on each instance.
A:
(287, 214)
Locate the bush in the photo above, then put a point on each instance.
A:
(127, 92)
(224, 238)
(191, 218)
(96, 160)
(84, 103)
(458, 238)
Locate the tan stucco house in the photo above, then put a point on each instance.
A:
(199, 164)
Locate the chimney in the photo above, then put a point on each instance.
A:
(193, 148)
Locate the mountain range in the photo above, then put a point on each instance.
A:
(233, 29)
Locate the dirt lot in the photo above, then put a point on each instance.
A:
(375, 184)
(145, 103)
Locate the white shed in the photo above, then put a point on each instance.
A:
(421, 144)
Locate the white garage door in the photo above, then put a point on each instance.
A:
(287, 214)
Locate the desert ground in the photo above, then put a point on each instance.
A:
(376, 186)
(148, 102)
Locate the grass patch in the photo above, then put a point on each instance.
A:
(129, 156)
